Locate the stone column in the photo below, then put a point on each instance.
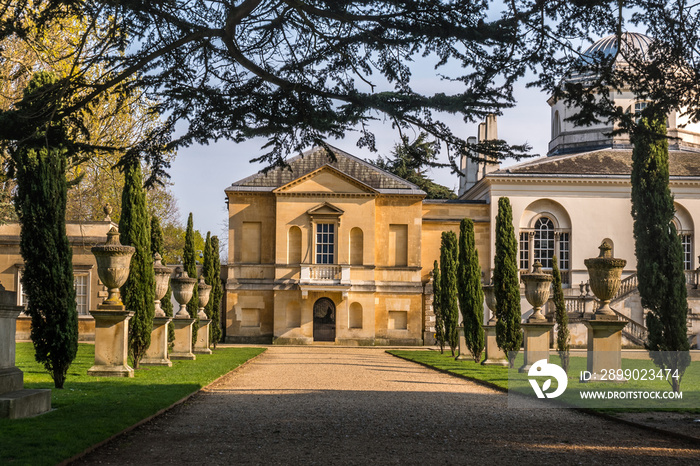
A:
(494, 355)
(604, 327)
(15, 401)
(111, 317)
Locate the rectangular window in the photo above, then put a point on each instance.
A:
(81, 293)
(564, 251)
(687, 244)
(325, 243)
(524, 251)
(398, 245)
(638, 107)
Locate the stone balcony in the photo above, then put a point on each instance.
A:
(324, 277)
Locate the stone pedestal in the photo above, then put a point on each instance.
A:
(464, 353)
(604, 346)
(494, 355)
(536, 343)
(201, 346)
(111, 341)
(157, 353)
(15, 401)
(182, 346)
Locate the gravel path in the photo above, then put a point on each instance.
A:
(328, 405)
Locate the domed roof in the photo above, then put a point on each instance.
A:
(607, 46)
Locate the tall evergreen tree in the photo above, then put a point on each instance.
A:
(217, 294)
(208, 270)
(560, 315)
(40, 159)
(158, 246)
(658, 248)
(471, 295)
(437, 308)
(139, 290)
(505, 283)
(449, 297)
(189, 262)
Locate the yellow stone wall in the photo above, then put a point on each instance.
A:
(440, 217)
(383, 301)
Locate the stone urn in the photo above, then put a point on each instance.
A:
(204, 290)
(490, 299)
(113, 262)
(183, 288)
(605, 272)
(162, 280)
(537, 284)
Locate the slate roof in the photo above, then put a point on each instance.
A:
(600, 162)
(356, 168)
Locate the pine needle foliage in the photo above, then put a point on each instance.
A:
(658, 248)
(40, 161)
(138, 293)
(471, 295)
(560, 316)
(505, 283)
(449, 300)
(189, 262)
(217, 293)
(158, 246)
(437, 308)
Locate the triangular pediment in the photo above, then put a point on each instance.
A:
(325, 209)
(355, 169)
(326, 179)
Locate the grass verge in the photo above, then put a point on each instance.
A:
(498, 378)
(91, 409)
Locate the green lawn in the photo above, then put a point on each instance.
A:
(498, 377)
(91, 409)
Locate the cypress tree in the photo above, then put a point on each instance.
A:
(658, 249)
(158, 246)
(437, 308)
(505, 283)
(139, 290)
(448, 287)
(217, 294)
(560, 315)
(471, 295)
(190, 264)
(40, 160)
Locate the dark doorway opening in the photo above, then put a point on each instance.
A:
(324, 320)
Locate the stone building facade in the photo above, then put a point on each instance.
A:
(334, 249)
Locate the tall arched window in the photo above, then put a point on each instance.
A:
(541, 242)
(543, 247)
(556, 124)
(686, 237)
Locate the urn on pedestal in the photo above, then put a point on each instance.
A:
(183, 288)
(494, 355)
(536, 330)
(157, 353)
(604, 328)
(111, 317)
(201, 346)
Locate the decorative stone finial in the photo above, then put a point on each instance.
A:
(108, 211)
(605, 249)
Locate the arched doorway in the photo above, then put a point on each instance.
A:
(324, 320)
